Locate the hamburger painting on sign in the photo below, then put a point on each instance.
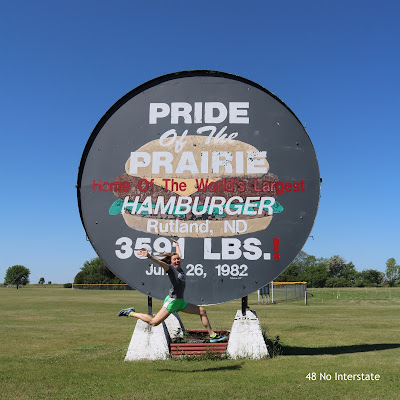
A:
(213, 159)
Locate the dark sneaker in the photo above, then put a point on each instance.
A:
(217, 338)
(125, 312)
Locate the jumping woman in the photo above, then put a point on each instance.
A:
(174, 302)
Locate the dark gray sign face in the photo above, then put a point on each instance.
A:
(212, 159)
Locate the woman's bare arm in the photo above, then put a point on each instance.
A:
(145, 253)
(178, 251)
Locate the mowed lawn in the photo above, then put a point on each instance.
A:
(58, 343)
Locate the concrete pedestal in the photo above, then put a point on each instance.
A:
(148, 342)
(152, 342)
(246, 339)
(174, 326)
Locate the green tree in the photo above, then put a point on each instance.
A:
(392, 271)
(41, 281)
(349, 273)
(332, 272)
(302, 266)
(336, 266)
(304, 260)
(17, 275)
(79, 278)
(290, 274)
(315, 275)
(369, 277)
(95, 271)
(337, 282)
(374, 276)
(341, 274)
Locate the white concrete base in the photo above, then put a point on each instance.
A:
(148, 342)
(246, 339)
(175, 326)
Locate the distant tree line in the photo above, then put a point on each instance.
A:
(336, 272)
(317, 272)
(95, 272)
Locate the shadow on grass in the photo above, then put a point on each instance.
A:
(318, 351)
(224, 368)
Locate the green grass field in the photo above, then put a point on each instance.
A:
(58, 343)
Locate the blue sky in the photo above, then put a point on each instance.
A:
(65, 63)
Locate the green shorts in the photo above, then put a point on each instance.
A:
(174, 305)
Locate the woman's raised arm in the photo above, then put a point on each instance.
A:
(145, 253)
(178, 251)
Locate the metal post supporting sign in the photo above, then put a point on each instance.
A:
(149, 305)
(244, 305)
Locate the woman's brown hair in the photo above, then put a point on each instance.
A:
(167, 257)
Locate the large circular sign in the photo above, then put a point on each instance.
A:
(212, 159)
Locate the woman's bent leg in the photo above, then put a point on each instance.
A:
(193, 309)
(161, 316)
